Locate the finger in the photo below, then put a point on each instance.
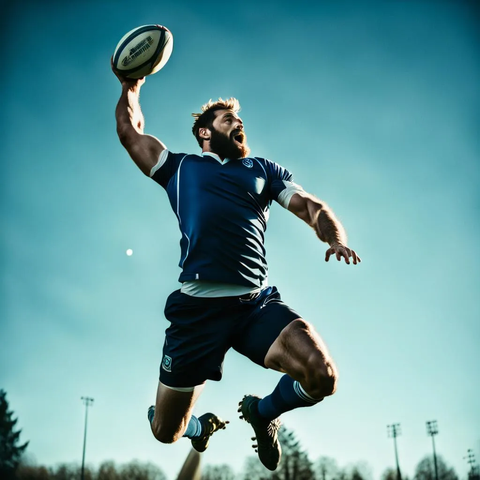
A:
(346, 253)
(355, 257)
(327, 254)
(342, 253)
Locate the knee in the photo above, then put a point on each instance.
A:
(164, 434)
(320, 374)
(321, 377)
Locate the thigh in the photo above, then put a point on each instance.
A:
(268, 317)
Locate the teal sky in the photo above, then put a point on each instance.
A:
(374, 106)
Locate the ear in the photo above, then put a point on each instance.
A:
(204, 133)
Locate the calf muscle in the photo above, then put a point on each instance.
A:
(301, 353)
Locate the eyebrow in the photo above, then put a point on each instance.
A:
(231, 115)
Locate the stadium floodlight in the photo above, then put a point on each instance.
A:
(474, 473)
(432, 430)
(87, 402)
(393, 432)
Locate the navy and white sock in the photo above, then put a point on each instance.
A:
(194, 428)
(288, 395)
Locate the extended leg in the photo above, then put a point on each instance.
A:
(172, 418)
(310, 376)
(173, 410)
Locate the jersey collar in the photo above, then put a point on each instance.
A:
(216, 157)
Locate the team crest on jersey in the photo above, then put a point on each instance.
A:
(248, 162)
(167, 363)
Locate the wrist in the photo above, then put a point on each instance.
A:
(131, 86)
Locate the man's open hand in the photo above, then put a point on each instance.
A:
(341, 251)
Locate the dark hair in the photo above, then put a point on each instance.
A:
(207, 117)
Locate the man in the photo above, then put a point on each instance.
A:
(221, 199)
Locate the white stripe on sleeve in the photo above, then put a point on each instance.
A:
(286, 195)
(161, 160)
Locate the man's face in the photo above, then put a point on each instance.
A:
(228, 139)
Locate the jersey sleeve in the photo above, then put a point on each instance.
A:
(282, 186)
(166, 167)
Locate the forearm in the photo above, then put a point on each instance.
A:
(319, 216)
(128, 112)
(327, 227)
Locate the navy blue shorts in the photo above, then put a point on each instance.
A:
(202, 330)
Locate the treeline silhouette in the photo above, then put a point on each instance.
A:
(295, 464)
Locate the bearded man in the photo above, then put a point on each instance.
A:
(221, 198)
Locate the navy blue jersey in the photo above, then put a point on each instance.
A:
(222, 211)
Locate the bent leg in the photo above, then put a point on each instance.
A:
(300, 352)
(173, 410)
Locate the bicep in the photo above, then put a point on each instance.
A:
(143, 149)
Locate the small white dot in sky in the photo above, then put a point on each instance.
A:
(129, 252)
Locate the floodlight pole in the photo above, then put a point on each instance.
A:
(394, 431)
(473, 473)
(87, 402)
(432, 430)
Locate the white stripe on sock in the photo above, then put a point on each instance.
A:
(303, 394)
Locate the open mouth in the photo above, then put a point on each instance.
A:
(239, 137)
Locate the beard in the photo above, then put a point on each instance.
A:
(228, 147)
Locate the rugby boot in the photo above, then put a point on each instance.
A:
(266, 432)
(210, 424)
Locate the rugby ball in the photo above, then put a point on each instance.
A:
(143, 51)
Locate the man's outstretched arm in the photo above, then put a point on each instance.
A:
(143, 149)
(327, 227)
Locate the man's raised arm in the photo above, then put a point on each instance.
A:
(328, 229)
(144, 149)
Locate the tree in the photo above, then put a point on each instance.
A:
(295, 464)
(326, 468)
(107, 471)
(32, 472)
(391, 474)
(361, 470)
(64, 471)
(136, 470)
(426, 469)
(218, 472)
(254, 470)
(10, 450)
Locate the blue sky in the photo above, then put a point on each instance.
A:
(374, 107)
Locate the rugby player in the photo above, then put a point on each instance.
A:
(221, 197)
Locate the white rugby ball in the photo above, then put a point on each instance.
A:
(143, 51)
